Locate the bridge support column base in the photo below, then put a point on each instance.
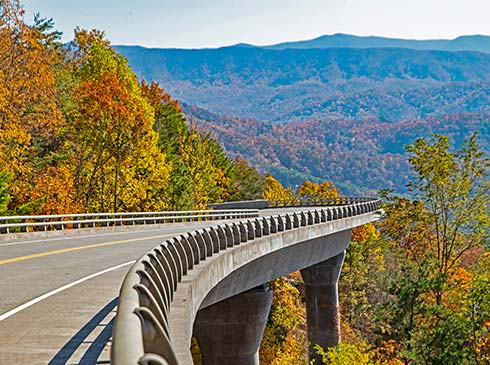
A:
(322, 304)
(229, 332)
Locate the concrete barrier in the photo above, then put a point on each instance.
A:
(165, 288)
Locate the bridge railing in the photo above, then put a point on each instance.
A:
(308, 202)
(27, 223)
(142, 334)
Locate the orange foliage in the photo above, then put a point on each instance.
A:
(363, 234)
(30, 119)
(54, 190)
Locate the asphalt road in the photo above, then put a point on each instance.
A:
(58, 295)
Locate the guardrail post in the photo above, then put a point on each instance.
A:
(230, 331)
(322, 304)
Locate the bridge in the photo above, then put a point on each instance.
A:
(201, 276)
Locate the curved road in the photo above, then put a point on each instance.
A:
(58, 295)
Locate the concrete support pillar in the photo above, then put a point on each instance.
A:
(229, 332)
(322, 304)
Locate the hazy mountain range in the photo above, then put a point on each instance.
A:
(330, 107)
(478, 43)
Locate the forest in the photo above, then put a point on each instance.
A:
(341, 151)
(79, 132)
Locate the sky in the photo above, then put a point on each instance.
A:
(216, 23)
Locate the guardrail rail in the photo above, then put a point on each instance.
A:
(29, 223)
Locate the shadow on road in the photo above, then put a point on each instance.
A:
(91, 355)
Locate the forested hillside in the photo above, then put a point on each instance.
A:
(341, 114)
(358, 156)
(301, 85)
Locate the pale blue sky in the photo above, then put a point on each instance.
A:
(214, 23)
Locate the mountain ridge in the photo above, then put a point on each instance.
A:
(471, 43)
(476, 43)
(295, 85)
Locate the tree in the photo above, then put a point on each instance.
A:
(208, 168)
(284, 340)
(454, 188)
(275, 191)
(30, 117)
(359, 289)
(427, 285)
(110, 124)
(320, 191)
(248, 183)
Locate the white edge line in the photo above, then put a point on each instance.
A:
(56, 291)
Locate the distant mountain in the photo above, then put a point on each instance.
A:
(320, 110)
(478, 43)
(299, 85)
(360, 157)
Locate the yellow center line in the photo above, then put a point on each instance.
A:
(72, 249)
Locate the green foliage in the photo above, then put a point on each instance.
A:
(343, 354)
(4, 192)
(248, 183)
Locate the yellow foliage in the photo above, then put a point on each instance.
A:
(274, 190)
(30, 119)
(54, 189)
(345, 354)
(320, 191)
(144, 178)
(284, 340)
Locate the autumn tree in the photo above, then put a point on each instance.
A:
(324, 190)
(359, 284)
(425, 310)
(284, 340)
(209, 169)
(275, 191)
(201, 171)
(111, 127)
(31, 121)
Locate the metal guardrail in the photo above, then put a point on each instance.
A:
(141, 334)
(10, 224)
